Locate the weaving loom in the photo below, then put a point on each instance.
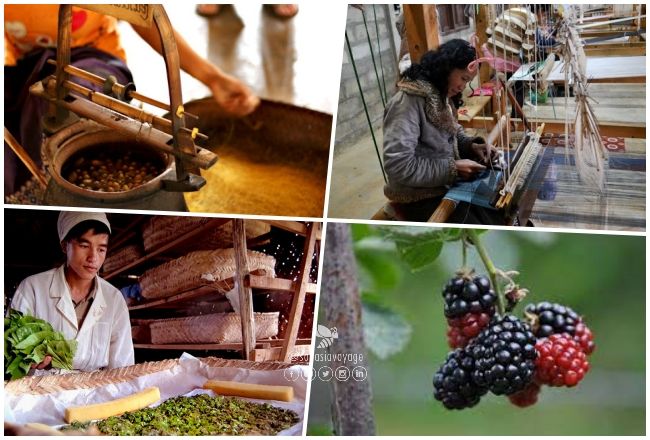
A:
(498, 188)
(514, 186)
(534, 173)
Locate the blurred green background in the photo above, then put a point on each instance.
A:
(602, 277)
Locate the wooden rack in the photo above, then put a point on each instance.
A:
(264, 350)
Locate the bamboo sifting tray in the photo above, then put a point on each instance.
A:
(40, 385)
(122, 257)
(217, 328)
(201, 268)
(161, 230)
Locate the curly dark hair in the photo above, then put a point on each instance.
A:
(436, 65)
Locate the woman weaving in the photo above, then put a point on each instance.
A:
(425, 149)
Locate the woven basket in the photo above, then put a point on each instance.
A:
(201, 268)
(221, 237)
(161, 230)
(122, 257)
(216, 328)
(54, 383)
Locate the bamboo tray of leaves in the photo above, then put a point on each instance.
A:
(196, 415)
(39, 385)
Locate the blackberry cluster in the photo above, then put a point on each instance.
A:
(453, 384)
(468, 295)
(504, 355)
(469, 305)
(551, 318)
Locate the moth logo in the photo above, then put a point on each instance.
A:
(327, 336)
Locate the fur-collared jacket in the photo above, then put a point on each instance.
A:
(422, 140)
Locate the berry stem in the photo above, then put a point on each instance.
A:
(490, 267)
(464, 250)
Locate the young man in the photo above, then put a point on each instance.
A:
(76, 301)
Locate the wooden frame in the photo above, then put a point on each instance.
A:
(265, 350)
(615, 49)
(421, 23)
(557, 127)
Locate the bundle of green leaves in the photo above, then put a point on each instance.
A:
(28, 340)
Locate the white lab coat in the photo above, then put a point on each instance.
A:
(104, 340)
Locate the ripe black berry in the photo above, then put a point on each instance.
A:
(549, 319)
(504, 356)
(464, 294)
(453, 384)
(552, 318)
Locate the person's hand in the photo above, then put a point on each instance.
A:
(232, 95)
(467, 168)
(485, 152)
(43, 365)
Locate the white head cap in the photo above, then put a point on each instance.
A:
(69, 219)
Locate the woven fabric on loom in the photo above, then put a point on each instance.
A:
(217, 328)
(122, 257)
(201, 268)
(612, 143)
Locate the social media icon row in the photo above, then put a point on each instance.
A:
(342, 373)
(326, 374)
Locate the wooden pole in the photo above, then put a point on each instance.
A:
(299, 292)
(421, 23)
(352, 411)
(443, 211)
(25, 159)
(245, 293)
(481, 32)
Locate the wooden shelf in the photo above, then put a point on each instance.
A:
(286, 349)
(252, 281)
(184, 296)
(260, 345)
(291, 226)
(282, 284)
(213, 223)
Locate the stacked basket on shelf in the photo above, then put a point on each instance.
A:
(207, 262)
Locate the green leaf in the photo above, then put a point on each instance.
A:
(419, 254)
(14, 370)
(374, 244)
(419, 246)
(32, 341)
(28, 340)
(386, 333)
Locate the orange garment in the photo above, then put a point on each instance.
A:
(29, 27)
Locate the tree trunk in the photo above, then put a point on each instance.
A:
(352, 412)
